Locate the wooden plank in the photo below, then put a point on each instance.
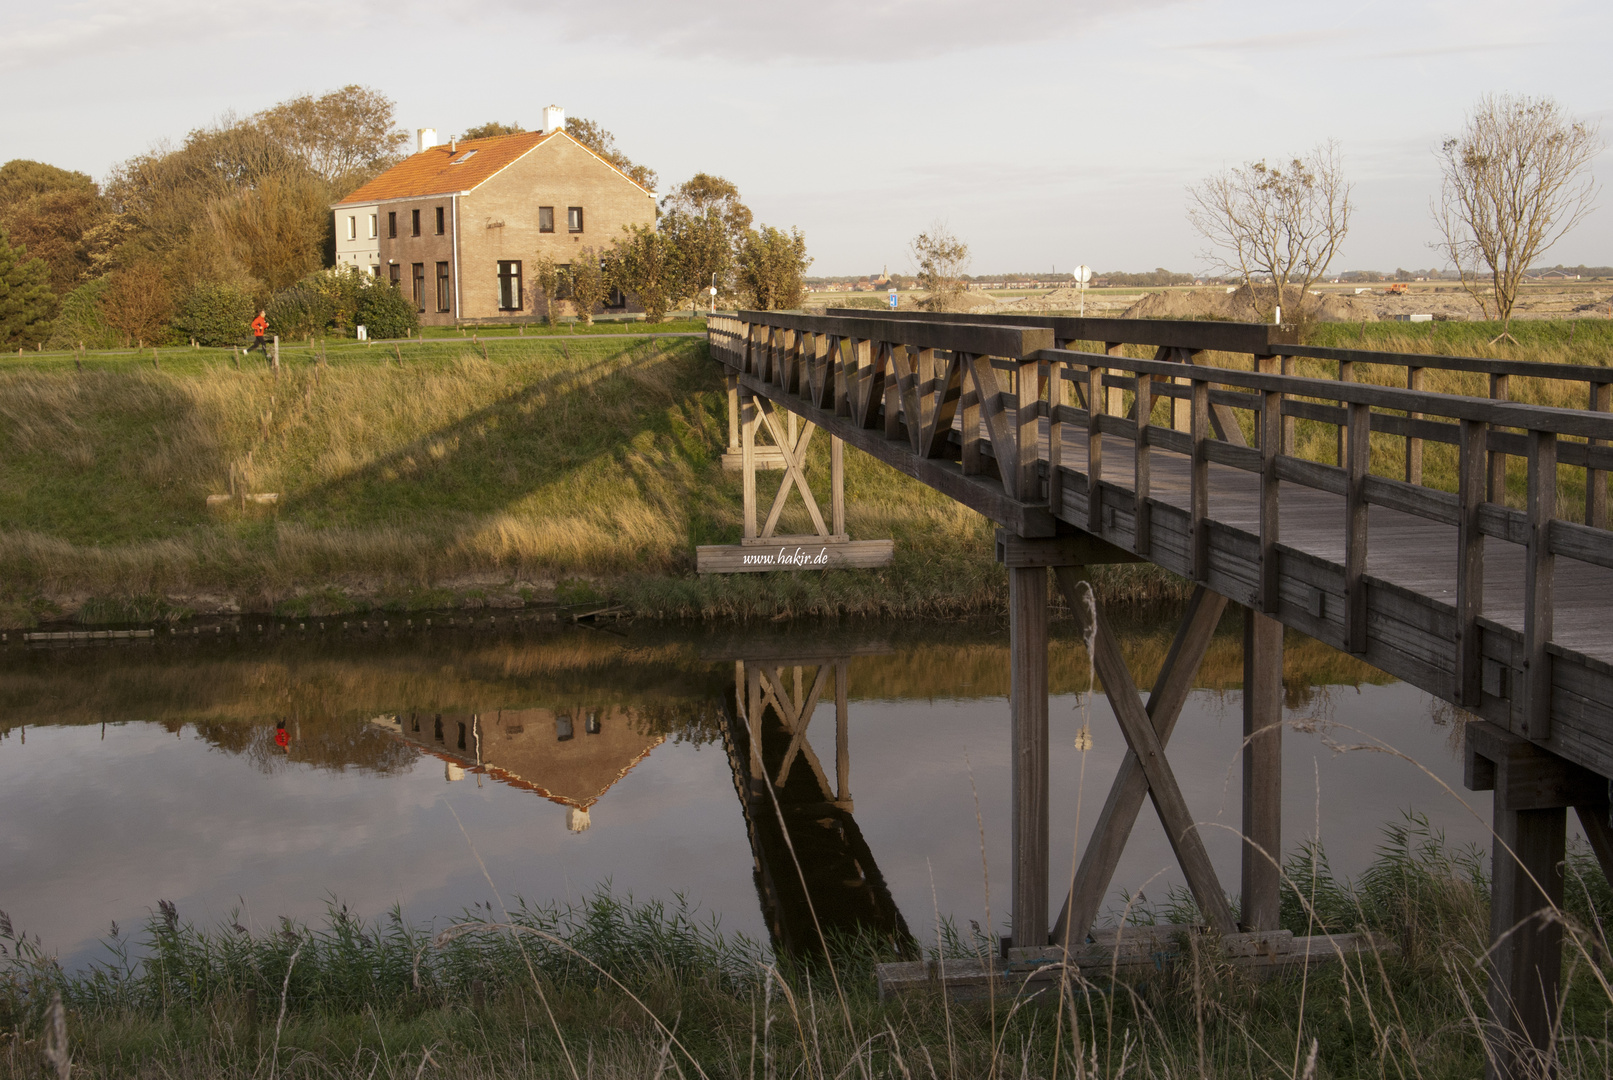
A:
(837, 486)
(1358, 445)
(1199, 481)
(1017, 342)
(1053, 372)
(1080, 549)
(969, 459)
(1414, 446)
(1261, 907)
(794, 465)
(1170, 692)
(1027, 701)
(1097, 407)
(1027, 390)
(1498, 462)
(1538, 572)
(748, 420)
(755, 559)
(1601, 400)
(1313, 474)
(1270, 446)
(1575, 541)
(1141, 478)
(1004, 448)
(898, 362)
(1194, 335)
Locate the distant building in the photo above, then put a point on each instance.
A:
(457, 227)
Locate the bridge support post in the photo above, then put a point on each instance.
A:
(1533, 790)
(1262, 771)
(1027, 633)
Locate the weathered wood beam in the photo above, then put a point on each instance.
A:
(1027, 701)
(1261, 908)
(1144, 743)
(1170, 692)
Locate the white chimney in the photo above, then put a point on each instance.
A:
(426, 139)
(554, 119)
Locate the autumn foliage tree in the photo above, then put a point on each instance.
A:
(772, 265)
(138, 303)
(60, 216)
(644, 263)
(588, 285)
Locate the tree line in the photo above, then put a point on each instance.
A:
(185, 242)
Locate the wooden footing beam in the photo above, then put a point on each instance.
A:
(1129, 953)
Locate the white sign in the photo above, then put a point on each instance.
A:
(1083, 274)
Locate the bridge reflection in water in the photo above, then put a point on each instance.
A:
(816, 878)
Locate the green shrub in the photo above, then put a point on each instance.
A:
(385, 312)
(340, 301)
(81, 321)
(215, 314)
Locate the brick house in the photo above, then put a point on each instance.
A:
(457, 227)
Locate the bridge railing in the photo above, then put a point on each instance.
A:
(1185, 339)
(997, 398)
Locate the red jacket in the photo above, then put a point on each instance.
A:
(259, 325)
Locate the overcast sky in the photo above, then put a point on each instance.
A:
(1044, 132)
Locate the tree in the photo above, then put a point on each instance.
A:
(138, 303)
(644, 263)
(603, 143)
(490, 129)
(546, 283)
(941, 259)
(342, 136)
(772, 264)
(1515, 180)
(60, 216)
(707, 223)
(588, 286)
(1280, 223)
(26, 303)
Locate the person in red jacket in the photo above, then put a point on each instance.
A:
(260, 326)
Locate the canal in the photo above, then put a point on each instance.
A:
(253, 774)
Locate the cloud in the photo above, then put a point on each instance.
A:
(1456, 50)
(1298, 39)
(741, 32)
(51, 34)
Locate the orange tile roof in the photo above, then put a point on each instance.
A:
(432, 172)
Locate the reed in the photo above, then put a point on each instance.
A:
(612, 987)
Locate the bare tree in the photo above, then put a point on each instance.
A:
(1515, 181)
(1283, 223)
(941, 259)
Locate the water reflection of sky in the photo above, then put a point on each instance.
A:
(102, 824)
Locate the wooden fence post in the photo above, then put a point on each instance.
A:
(1414, 445)
(1097, 407)
(1473, 441)
(1358, 446)
(1199, 480)
(1537, 585)
(1498, 462)
(1141, 476)
(1596, 479)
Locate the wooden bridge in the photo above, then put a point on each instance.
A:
(1085, 457)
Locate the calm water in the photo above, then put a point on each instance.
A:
(573, 757)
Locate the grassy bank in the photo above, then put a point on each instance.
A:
(610, 988)
(500, 470)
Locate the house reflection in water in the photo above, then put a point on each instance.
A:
(570, 755)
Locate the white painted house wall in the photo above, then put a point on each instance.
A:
(358, 238)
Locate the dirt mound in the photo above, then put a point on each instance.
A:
(1244, 305)
(958, 301)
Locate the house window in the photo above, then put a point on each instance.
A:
(562, 281)
(420, 286)
(375, 272)
(509, 285)
(395, 272)
(352, 228)
(374, 231)
(574, 219)
(442, 286)
(439, 221)
(414, 219)
(546, 219)
(392, 224)
(616, 299)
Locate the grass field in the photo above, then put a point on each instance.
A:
(501, 466)
(498, 469)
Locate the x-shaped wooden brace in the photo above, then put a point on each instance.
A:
(1145, 770)
(795, 720)
(794, 455)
